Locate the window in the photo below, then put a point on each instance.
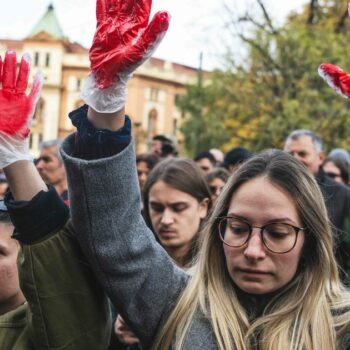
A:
(152, 123)
(36, 59)
(47, 60)
(154, 95)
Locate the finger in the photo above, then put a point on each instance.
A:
(336, 78)
(138, 11)
(9, 70)
(36, 89)
(100, 11)
(151, 37)
(23, 74)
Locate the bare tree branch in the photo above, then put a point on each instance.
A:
(267, 17)
(312, 15)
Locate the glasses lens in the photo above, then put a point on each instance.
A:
(234, 232)
(332, 175)
(279, 238)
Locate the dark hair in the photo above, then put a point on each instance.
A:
(205, 155)
(183, 175)
(342, 166)
(218, 173)
(149, 158)
(236, 156)
(161, 138)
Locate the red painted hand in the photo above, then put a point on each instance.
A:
(336, 78)
(16, 108)
(124, 39)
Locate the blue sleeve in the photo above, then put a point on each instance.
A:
(92, 143)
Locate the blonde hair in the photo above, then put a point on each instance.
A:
(311, 312)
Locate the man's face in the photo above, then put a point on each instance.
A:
(205, 165)
(157, 147)
(50, 167)
(304, 150)
(10, 293)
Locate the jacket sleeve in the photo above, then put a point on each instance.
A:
(141, 280)
(68, 309)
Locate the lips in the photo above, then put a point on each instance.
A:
(254, 272)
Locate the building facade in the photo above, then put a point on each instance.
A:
(153, 90)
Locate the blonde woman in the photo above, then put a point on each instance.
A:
(266, 276)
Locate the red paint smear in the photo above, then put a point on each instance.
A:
(340, 78)
(123, 38)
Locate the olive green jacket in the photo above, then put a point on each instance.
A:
(66, 309)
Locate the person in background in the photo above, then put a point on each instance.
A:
(205, 161)
(51, 168)
(307, 148)
(218, 155)
(340, 153)
(216, 180)
(235, 158)
(163, 147)
(337, 169)
(145, 163)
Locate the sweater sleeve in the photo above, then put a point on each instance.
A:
(140, 278)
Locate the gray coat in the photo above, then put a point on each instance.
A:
(135, 271)
(137, 274)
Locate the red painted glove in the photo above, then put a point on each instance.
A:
(16, 108)
(124, 39)
(336, 78)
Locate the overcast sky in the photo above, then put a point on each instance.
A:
(196, 24)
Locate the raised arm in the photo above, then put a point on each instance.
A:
(59, 287)
(139, 277)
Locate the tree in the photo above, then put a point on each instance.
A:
(277, 88)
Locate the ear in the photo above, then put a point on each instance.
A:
(203, 208)
(322, 156)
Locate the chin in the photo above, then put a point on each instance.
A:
(256, 288)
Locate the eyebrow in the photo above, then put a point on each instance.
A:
(174, 203)
(281, 219)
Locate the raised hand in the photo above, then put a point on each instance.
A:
(16, 108)
(124, 39)
(336, 78)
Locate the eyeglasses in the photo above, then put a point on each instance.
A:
(279, 238)
(333, 175)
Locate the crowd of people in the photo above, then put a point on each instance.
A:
(104, 249)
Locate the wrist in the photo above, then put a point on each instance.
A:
(109, 121)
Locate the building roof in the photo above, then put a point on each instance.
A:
(48, 24)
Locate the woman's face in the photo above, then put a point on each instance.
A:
(216, 185)
(333, 171)
(252, 267)
(175, 215)
(142, 173)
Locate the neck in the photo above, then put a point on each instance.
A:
(61, 186)
(12, 303)
(178, 254)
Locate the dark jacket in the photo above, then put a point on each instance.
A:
(66, 308)
(337, 200)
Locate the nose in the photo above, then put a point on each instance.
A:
(39, 164)
(255, 249)
(167, 217)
